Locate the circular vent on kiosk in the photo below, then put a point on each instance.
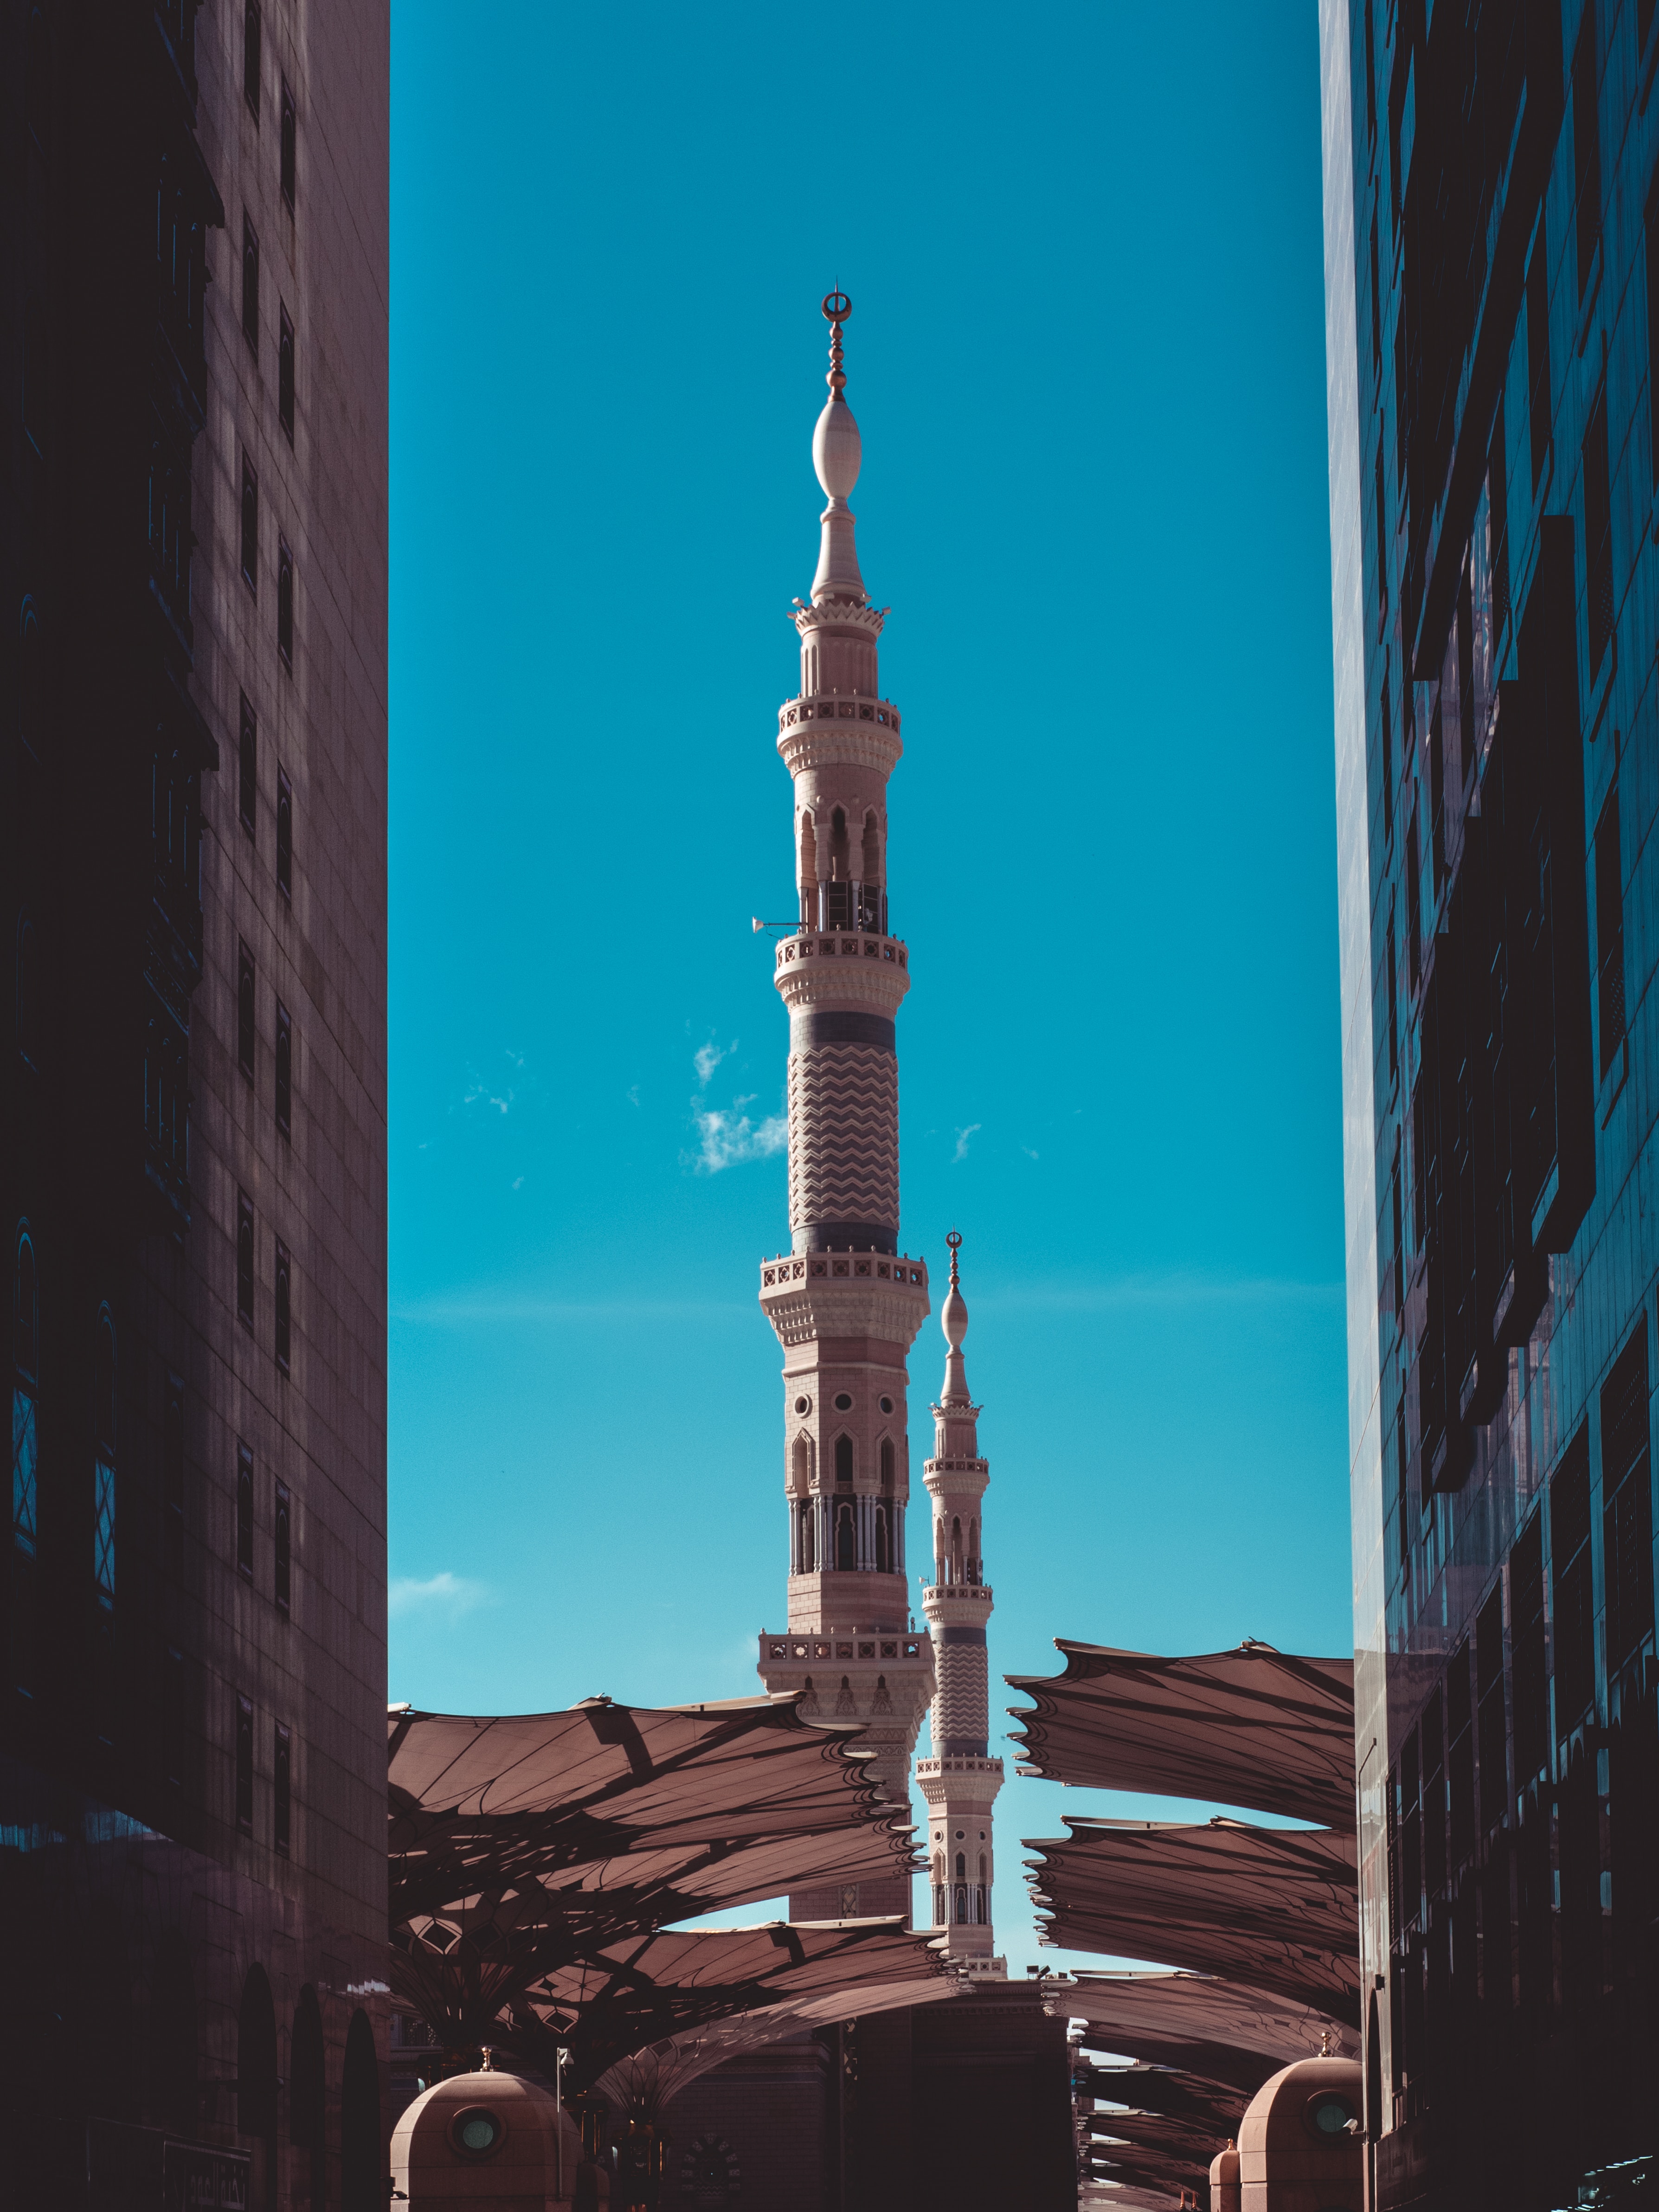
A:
(1328, 2115)
(477, 2132)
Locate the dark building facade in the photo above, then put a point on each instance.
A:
(1492, 230)
(193, 1099)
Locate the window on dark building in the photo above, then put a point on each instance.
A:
(285, 602)
(1434, 1795)
(103, 1472)
(1598, 533)
(1571, 1585)
(284, 1071)
(1491, 1720)
(1413, 901)
(25, 1387)
(244, 1512)
(1391, 959)
(250, 57)
(28, 992)
(1627, 1508)
(1386, 722)
(283, 1316)
(1370, 75)
(1376, 301)
(250, 525)
(1529, 1657)
(245, 1010)
(243, 1260)
(173, 1721)
(1586, 147)
(285, 372)
(282, 1785)
(244, 1765)
(173, 1474)
(284, 835)
(282, 1549)
(1538, 354)
(1411, 1831)
(290, 127)
(1643, 24)
(1382, 535)
(250, 284)
(1650, 243)
(1498, 515)
(1609, 932)
(247, 770)
(1460, 1756)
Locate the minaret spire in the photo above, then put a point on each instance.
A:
(961, 1780)
(845, 1302)
(837, 455)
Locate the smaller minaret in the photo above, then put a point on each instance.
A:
(960, 1782)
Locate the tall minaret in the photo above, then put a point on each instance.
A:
(846, 1305)
(960, 1781)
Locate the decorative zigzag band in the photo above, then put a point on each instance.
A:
(843, 1135)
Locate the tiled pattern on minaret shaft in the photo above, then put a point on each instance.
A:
(843, 1128)
(846, 1305)
(960, 1780)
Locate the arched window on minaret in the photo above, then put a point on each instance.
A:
(809, 872)
(883, 1554)
(973, 1550)
(800, 1465)
(938, 1889)
(887, 1467)
(838, 913)
(979, 1898)
(808, 1537)
(962, 1886)
(941, 1552)
(956, 1548)
(843, 1459)
(846, 1542)
(872, 902)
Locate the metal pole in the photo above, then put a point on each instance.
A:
(559, 2057)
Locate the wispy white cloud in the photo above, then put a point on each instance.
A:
(484, 1091)
(449, 1595)
(708, 1057)
(729, 1137)
(962, 1135)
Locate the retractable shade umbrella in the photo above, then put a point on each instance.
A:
(1166, 2089)
(1260, 1728)
(1221, 2029)
(521, 1846)
(1276, 1908)
(661, 1986)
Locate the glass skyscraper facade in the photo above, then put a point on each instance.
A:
(1491, 244)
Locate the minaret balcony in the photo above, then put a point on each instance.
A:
(841, 967)
(853, 1644)
(949, 1593)
(839, 732)
(810, 1295)
(982, 1777)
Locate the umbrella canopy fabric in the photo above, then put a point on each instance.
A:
(1116, 2197)
(1256, 1728)
(521, 1845)
(1154, 2131)
(642, 2083)
(1277, 1908)
(1166, 2089)
(1125, 2161)
(665, 1984)
(1222, 2029)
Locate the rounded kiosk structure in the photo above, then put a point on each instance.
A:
(1223, 2180)
(486, 2142)
(1300, 2145)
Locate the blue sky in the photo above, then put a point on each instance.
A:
(1086, 356)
